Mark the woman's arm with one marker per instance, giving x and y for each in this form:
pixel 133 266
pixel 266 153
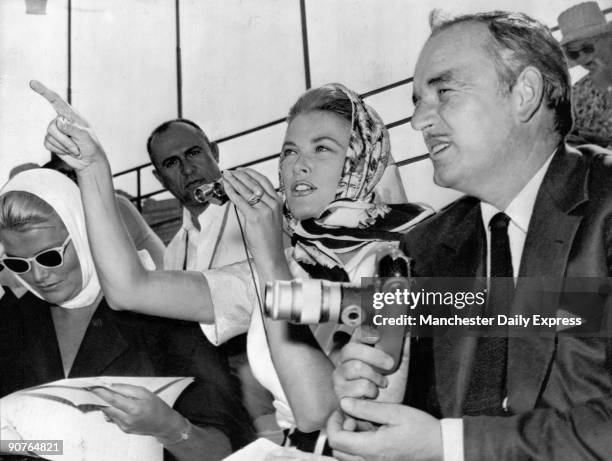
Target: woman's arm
pixel 138 411
pixel 304 370
pixel 141 234
pixel 125 282
pixel 204 444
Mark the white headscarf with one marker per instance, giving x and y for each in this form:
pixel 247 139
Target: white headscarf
pixel 64 197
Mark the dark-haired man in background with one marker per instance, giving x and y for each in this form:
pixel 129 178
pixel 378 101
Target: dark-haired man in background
pixel 184 158
pixel 492 98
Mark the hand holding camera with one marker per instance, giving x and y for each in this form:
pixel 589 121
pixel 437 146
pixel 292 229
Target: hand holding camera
pixel 317 301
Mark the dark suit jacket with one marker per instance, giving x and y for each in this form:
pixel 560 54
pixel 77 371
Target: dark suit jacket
pixel 559 387
pixel 124 344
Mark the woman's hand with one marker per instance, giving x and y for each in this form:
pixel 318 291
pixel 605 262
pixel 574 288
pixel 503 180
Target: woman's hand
pixel 261 207
pixel 69 135
pixel 136 410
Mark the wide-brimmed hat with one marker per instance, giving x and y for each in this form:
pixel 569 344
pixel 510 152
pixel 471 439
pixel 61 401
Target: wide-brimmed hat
pixel 585 20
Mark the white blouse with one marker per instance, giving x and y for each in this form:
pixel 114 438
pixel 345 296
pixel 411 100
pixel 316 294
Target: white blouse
pixel 237 311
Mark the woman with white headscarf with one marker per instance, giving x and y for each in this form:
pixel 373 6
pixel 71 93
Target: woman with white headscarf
pixel 63 328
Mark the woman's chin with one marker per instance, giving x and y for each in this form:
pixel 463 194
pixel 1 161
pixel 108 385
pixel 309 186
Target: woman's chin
pixel 301 213
pixel 57 296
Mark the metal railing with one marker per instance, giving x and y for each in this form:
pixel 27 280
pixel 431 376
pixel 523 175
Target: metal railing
pixel 138 169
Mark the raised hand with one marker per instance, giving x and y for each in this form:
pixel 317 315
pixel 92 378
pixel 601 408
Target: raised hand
pixel 261 207
pixel 69 134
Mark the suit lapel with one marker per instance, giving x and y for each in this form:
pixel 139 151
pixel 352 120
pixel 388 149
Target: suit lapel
pixel 546 252
pixel 462 254
pixel 102 344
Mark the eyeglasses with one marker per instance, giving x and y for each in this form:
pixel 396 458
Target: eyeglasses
pixel 574 54
pixel 53 257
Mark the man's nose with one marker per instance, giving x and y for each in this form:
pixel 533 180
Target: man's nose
pixel 188 167
pixel 424 115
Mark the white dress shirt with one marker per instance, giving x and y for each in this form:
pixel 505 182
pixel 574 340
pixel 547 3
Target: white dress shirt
pixel 217 243
pixel 519 211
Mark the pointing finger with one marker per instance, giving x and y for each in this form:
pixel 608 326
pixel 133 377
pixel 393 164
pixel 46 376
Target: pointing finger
pixel 60 106
pixel 58 136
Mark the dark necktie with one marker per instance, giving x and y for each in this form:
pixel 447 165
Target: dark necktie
pixel 186 250
pixel 488 381
pixel 501 285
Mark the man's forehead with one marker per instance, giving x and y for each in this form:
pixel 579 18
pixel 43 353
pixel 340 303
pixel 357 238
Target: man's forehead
pixel 453 52
pixel 177 138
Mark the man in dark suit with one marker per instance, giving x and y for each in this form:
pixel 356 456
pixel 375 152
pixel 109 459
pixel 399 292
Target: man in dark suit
pixel 492 98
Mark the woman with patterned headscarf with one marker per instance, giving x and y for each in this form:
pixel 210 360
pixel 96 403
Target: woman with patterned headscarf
pixel 335 151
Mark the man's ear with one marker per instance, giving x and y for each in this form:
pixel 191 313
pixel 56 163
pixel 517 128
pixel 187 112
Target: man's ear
pixel 214 147
pixel 529 93
pixel 159 177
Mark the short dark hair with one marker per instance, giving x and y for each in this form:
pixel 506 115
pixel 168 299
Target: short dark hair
pixel 57 164
pixel 520 41
pixel 166 125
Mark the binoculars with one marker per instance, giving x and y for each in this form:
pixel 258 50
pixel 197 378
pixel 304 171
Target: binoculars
pixel 210 193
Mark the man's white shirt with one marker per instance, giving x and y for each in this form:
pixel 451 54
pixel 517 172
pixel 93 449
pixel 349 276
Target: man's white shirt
pixel 217 243
pixel 519 211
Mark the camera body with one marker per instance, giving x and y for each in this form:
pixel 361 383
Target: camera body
pixel 317 301
pixel 211 193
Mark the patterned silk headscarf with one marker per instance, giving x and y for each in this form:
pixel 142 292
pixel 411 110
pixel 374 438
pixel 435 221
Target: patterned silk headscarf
pixel 353 219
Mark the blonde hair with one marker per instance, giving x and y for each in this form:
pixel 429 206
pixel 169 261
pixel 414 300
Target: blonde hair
pixel 20 211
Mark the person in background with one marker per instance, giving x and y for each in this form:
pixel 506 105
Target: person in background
pixel 7 279
pixel 492 100
pixel 142 235
pixel 587 41
pixel 10 283
pixel 184 158
pixel 22 167
pixel 63 328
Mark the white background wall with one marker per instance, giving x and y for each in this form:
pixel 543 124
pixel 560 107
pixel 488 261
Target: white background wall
pixel 242 67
